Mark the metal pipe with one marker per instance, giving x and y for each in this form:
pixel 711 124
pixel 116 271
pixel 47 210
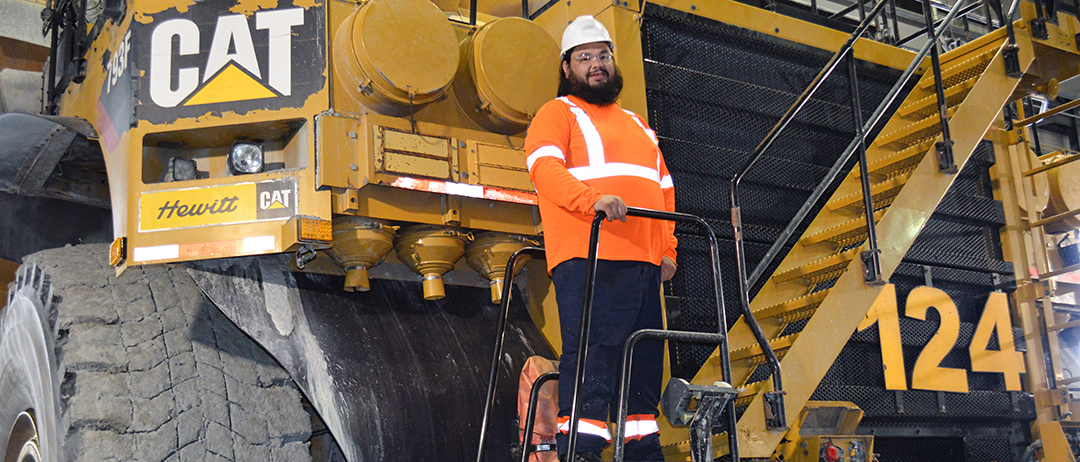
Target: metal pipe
pixel 530 415
pixel 472 12
pixel 525 9
pixel 868 127
pixel 1009 22
pixel 939 85
pixel 619 439
pixel 844 11
pixel 586 315
pixel 500 337
pixel 963 13
pixel 864 171
pixel 583 333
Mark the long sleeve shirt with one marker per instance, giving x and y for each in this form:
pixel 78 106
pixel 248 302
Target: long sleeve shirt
pixel 577 153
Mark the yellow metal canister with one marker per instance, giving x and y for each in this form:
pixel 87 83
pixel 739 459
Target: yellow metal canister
pixel 1064 196
pixel 395 56
pixel 490 252
pixel 431 251
pixel 509 68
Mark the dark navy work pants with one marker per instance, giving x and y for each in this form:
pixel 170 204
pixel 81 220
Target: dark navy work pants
pixel 626 299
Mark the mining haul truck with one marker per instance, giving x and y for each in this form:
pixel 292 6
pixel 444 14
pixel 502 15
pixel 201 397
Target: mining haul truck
pixel 280 230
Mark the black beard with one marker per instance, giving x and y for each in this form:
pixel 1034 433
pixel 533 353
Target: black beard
pixel 600 95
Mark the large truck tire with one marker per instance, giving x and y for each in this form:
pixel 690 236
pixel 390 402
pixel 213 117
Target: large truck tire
pixel 95 367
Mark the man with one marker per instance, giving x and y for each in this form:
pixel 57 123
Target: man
pixel 588 155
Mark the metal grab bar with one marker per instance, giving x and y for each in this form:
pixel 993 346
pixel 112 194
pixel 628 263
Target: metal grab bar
pixel 530 415
pixel 868 128
pixel 500 336
pixel 624 377
pixel 586 316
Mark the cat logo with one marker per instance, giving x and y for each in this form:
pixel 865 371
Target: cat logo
pixel 276 199
pixel 231 70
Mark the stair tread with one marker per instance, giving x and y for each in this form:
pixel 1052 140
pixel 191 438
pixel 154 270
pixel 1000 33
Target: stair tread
pixel 887 186
pixel 929 123
pixel 844 231
pixel 965 69
pixel 805 302
pixel 825 264
pixel 954 95
pixel 900 159
pixel 777 344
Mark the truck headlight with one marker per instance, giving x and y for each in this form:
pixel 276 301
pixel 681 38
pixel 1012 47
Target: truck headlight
pixel 245 158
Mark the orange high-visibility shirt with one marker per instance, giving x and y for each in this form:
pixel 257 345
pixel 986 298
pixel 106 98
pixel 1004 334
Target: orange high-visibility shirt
pixel 578 152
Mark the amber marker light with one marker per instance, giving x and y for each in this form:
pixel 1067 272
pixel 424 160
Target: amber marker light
pixel 118 251
pixel 314 229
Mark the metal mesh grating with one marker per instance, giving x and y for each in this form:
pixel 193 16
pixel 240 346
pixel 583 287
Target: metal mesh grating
pixel 714 91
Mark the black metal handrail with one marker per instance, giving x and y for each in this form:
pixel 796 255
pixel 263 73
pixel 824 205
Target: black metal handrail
pixel 500 336
pixel 627 365
pixel 586 317
pixel 759 151
pixel 834 172
pixel 530 414
pixel 964 12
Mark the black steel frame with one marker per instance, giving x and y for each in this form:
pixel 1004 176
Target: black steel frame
pixel 586 318
pixel 500 336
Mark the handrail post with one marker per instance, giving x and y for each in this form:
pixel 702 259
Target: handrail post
pixel 943 147
pixel 870 258
pixel 530 414
pixel 895 24
pixel 583 333
pixel 500 336
pixel 721 335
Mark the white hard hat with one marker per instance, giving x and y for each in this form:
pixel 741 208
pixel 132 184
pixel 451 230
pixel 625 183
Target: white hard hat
pixel 584 29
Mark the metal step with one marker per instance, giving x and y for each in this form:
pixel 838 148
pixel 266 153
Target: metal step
pixel 820 270
pixel 843 235
pixel 928 106
pixel 882 195
pixel 901 161
pixel 793 310
pixel 928 126
pixel 753 356
pixel 966 69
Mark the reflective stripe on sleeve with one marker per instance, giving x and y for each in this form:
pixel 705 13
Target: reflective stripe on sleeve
pixel 544 151
pixel 613 169
pixel 640 425
pixel 666 182
pixel 588 427
pixel 593 142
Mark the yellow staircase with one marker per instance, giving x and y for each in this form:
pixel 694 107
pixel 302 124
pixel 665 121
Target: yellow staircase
pixel 906 186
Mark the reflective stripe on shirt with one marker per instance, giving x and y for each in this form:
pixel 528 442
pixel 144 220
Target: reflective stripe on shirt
pixel 544 151
pixel 598 166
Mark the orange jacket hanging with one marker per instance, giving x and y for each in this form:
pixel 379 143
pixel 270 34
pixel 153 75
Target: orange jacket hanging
pixel 579 152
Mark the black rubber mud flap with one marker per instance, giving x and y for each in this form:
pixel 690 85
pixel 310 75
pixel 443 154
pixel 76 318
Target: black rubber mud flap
pixel 394 377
